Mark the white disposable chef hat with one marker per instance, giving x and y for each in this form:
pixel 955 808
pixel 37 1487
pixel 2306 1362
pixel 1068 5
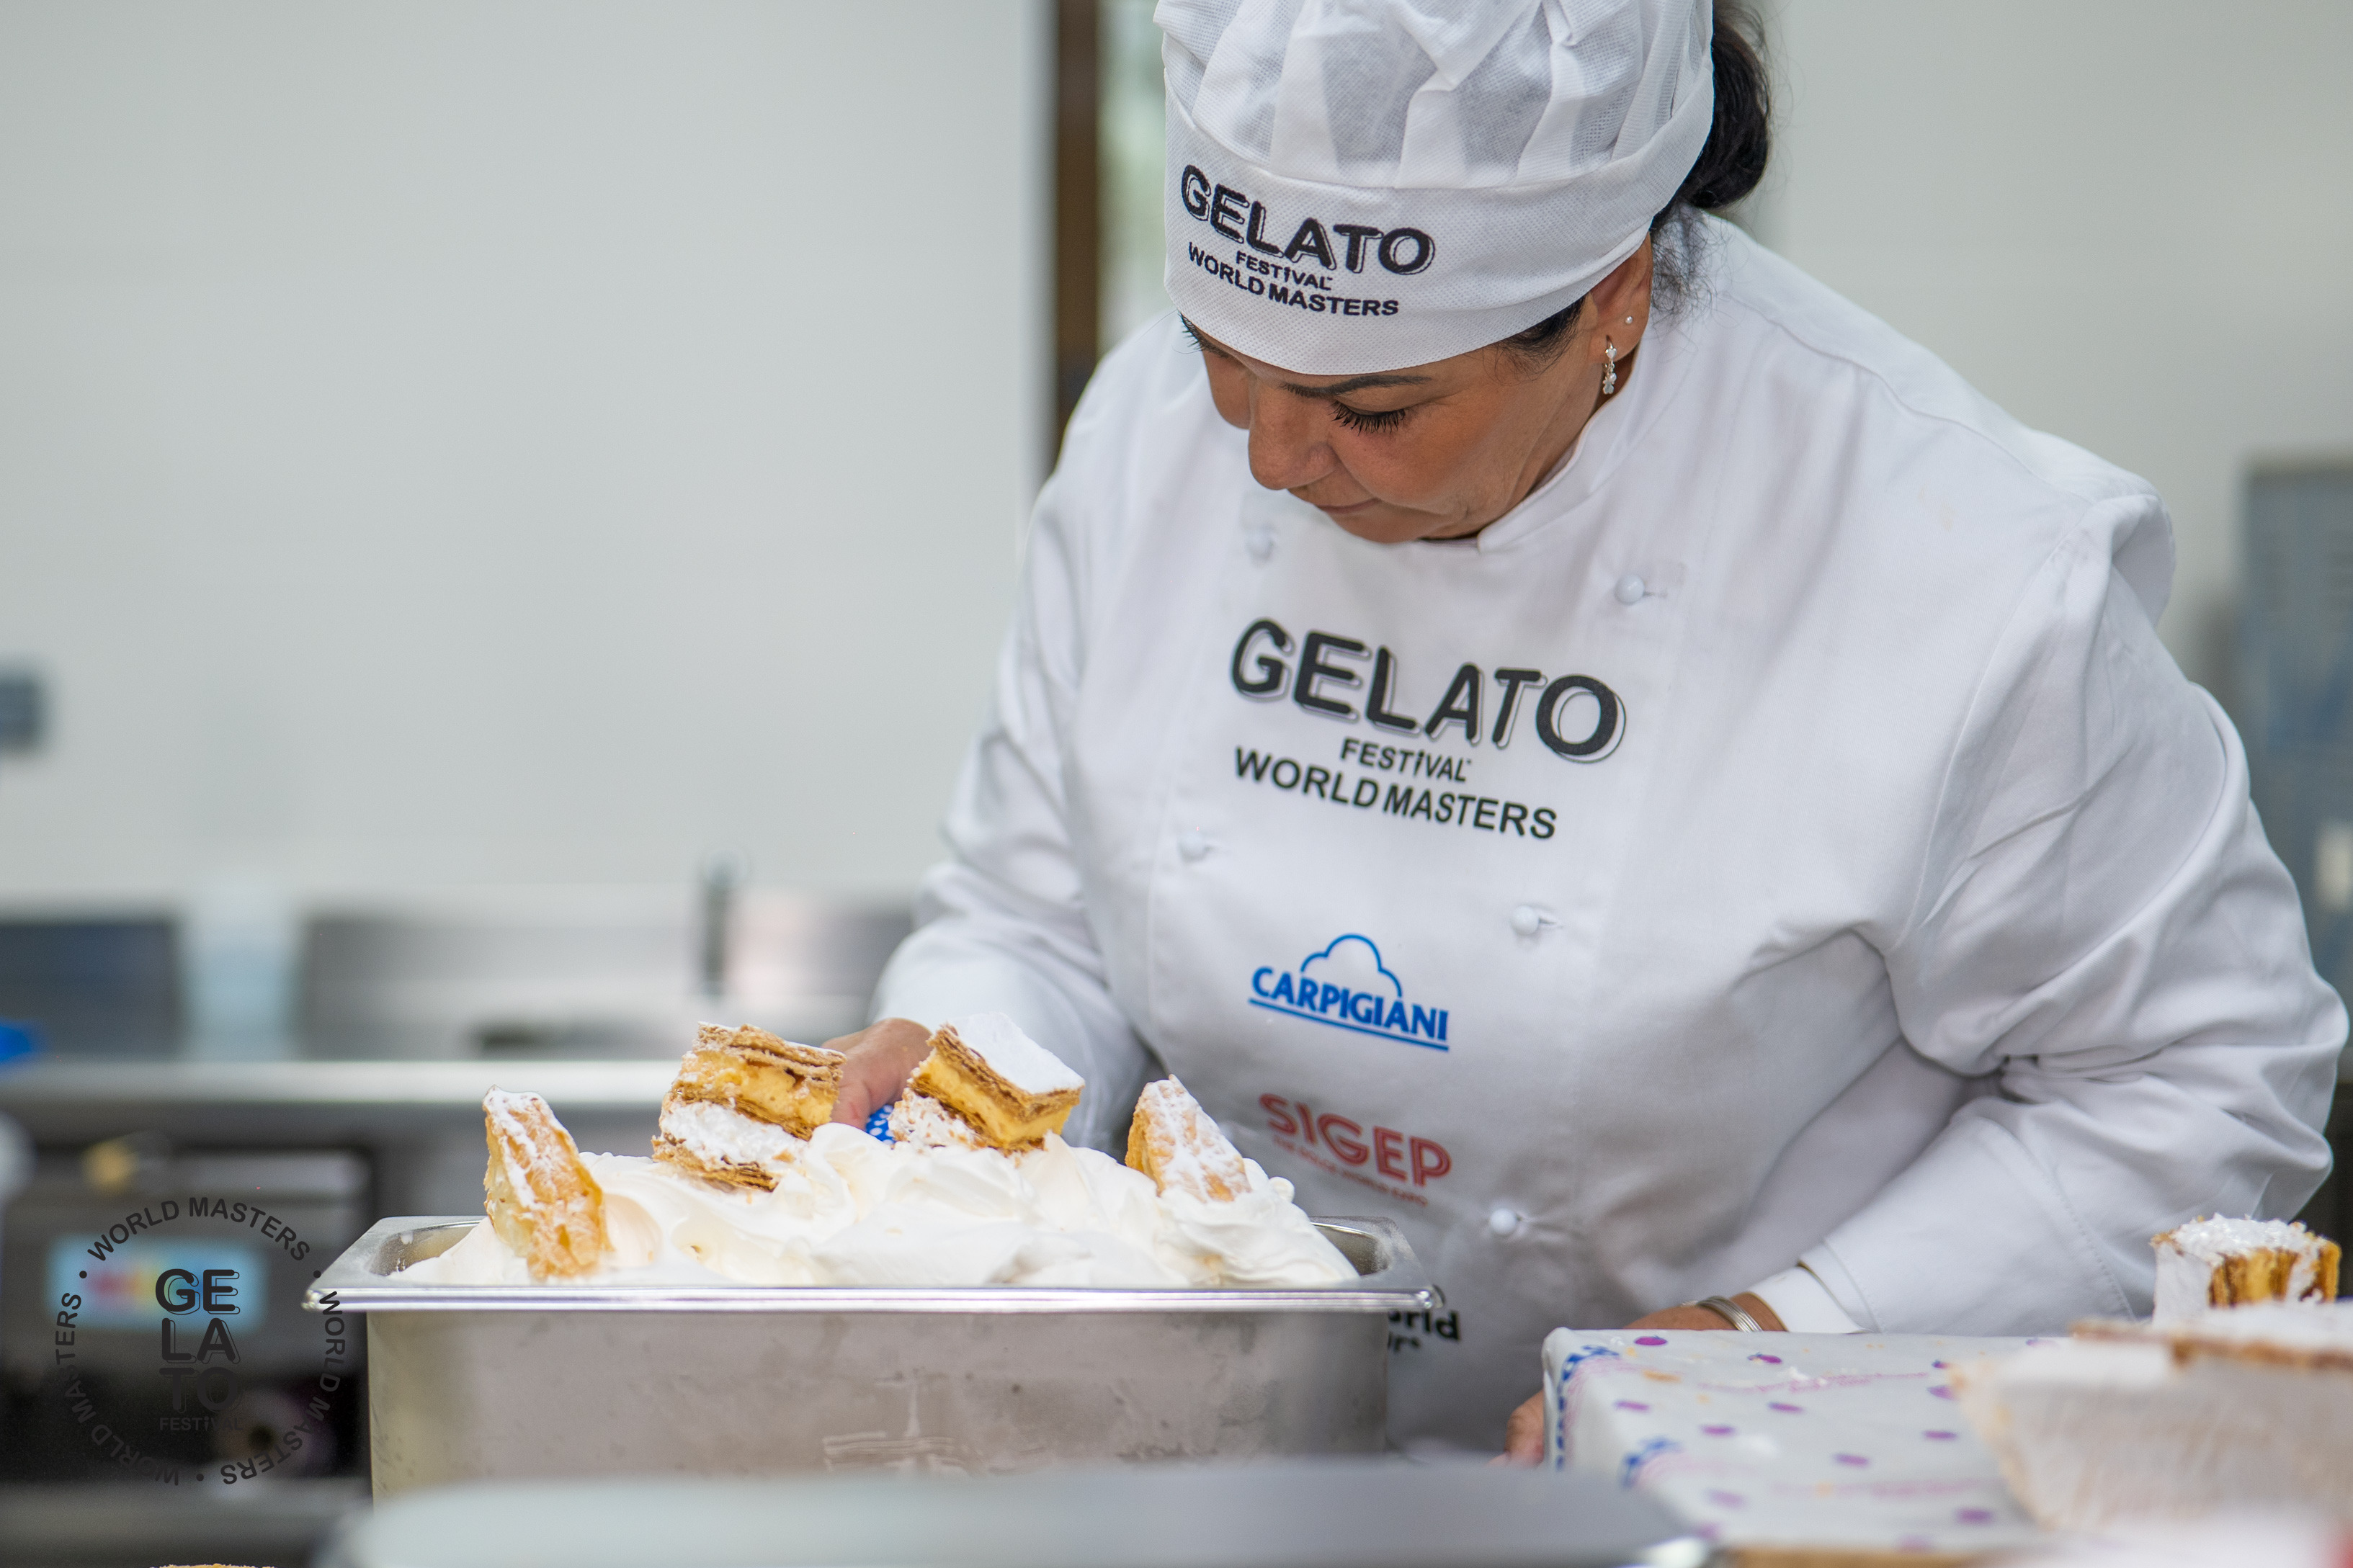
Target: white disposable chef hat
pixel 1359 184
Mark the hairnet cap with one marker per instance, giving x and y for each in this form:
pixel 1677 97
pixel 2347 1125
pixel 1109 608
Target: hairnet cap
pixel 1361 184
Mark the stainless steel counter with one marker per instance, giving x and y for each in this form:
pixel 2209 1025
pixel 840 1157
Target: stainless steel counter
pixel 1360 1513
pixel 309 1103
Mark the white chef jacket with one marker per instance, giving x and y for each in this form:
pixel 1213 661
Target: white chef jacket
pixel 1780 837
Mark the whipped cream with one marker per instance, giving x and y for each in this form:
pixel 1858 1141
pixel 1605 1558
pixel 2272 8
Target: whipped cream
pixel 850 1210
pixel 715 1133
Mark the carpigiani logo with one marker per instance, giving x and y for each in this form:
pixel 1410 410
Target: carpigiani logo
pixel 1346 986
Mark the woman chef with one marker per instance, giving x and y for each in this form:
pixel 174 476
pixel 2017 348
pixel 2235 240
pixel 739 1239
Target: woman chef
pixel 1563 732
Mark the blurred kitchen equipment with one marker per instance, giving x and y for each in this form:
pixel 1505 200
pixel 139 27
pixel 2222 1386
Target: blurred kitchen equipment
pixel 1333 1513
pixel 508 1382
pixel 110 1227
pixel 724 875
pixel 412 1130
pixel 2296 682
pixel 242 944
pixel 2295 714
pixel 94 985
pixel 23 711
pixel 589 976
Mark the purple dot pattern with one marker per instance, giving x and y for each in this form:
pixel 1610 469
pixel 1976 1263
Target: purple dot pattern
pixel 1654 1412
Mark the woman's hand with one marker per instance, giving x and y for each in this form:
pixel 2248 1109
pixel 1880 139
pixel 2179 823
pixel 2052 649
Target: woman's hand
pixel 883 1058
pixel 1523 1435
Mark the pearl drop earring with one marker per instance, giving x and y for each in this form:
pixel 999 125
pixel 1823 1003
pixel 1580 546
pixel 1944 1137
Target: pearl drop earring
pixel 1609 375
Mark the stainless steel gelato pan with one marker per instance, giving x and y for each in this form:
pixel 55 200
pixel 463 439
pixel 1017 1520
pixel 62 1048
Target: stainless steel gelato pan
pixel 469 1383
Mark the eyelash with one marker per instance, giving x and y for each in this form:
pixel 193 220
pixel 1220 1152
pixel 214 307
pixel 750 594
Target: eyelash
pixel 1354 418
pixel 1357 419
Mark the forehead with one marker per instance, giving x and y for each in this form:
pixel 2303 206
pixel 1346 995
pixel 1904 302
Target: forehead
pixel 1436 372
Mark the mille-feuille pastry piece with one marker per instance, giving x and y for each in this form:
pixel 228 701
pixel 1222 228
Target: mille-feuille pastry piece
pixel 2244 1409
pixel 921 1122
pixel 742 1103
pixel 2222 1262
pixel 1177 1143
pixel 540 1198
pixel 1007 1087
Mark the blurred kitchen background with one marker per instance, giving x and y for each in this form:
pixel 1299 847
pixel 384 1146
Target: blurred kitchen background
pixel 507 509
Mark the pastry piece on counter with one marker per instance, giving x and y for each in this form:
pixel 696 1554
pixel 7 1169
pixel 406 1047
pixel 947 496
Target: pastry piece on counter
pixel 2235 1409
pixel 2224 1262
pixel 540 1198
pixel 1177 1143
pixel 1009 1089
pixel 742 1103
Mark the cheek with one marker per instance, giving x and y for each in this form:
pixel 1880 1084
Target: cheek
pixel 1432 461
pixel 1230 392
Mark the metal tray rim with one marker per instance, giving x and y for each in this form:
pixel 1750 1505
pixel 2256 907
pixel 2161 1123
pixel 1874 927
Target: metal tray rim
pixel 353 1285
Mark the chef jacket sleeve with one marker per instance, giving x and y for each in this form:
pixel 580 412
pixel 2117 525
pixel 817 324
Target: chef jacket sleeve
pixel 1001 925
pixel 2099 922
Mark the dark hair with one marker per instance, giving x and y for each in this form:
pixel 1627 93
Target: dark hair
pixel 1728 168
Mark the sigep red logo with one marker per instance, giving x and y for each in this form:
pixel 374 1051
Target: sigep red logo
pixel 1400 1156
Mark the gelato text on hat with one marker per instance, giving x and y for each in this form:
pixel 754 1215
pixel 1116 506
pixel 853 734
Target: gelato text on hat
pixel 1358 185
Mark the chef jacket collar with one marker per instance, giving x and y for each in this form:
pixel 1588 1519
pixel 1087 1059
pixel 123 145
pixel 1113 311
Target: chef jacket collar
pixel 1610 437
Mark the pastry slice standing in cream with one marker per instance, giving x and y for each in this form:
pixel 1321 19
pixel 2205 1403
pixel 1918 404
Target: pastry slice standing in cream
pixel 1173 1140
pixel 540 1198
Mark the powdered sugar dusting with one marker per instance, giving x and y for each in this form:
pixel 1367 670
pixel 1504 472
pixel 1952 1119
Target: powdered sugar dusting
pixel 1013 1056
pixel 1189 1151
pixel 518 1118
pixel 2212 1240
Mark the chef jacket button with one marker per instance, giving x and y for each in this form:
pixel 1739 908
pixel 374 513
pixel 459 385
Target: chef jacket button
pixel 1504 1222
pixel 1527 921
pixel 1629 589
pixel 1261 542
pixel 1192 843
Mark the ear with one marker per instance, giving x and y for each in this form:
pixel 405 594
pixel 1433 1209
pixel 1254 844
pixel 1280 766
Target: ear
pixel 1620 306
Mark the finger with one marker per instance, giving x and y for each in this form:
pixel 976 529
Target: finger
pixel 881 1057
pixel 1523 1435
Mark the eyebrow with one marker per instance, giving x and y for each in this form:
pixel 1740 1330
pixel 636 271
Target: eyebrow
pixel 1337 389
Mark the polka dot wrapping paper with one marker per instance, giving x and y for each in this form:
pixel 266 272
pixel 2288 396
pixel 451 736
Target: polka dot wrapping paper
pixel 1825 1440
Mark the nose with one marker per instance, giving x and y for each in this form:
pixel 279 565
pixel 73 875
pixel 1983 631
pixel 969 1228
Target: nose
pixel 1287 444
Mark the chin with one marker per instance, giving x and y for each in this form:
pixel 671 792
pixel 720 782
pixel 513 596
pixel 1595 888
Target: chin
pixel 1387 524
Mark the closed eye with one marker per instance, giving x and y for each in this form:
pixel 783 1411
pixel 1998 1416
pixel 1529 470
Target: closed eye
pixel 1359 419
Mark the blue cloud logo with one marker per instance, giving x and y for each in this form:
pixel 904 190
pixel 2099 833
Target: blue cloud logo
pixel 1348 987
